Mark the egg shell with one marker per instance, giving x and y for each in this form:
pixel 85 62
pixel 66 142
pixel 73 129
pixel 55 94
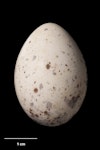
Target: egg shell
pixel 50 76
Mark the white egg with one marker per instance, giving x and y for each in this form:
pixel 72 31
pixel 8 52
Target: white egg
pixel 50 76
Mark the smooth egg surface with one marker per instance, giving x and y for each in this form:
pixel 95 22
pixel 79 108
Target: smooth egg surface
pixel 50 76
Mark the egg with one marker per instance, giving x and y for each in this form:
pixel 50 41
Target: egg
pixel 50 76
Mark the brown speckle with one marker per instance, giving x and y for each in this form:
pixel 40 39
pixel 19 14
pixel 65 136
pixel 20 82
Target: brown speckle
pixel 77 86
pixel 41 86
pixel 36 115
pixel 27 76
pixel 71 58
pixel 34 82
pixel 21 86
pixel 59 34
pixel 31 112
pixel 75 76
pixel 24 99
pixel 46 113
pixel 63 52
pixel 57 56
pixel 66 65
pixel 54 88
pixel 48 83
pixel 29 41
pixel 65 89
pixel 33 73
pixel 31 104
pixel 49 105
pixel 48 66
pixel 73 101
pixel 69 45
pixel 65 99
pixel 85 81
pixel 45 29
pixel 34 57
pixel 59 118
pixel 35 90
pixel 54 73
pixel 52 123
pixel 27 59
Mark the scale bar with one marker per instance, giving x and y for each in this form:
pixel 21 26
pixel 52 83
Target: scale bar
pixel 20 138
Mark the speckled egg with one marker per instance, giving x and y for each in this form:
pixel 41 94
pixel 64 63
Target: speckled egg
pixel 50 76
